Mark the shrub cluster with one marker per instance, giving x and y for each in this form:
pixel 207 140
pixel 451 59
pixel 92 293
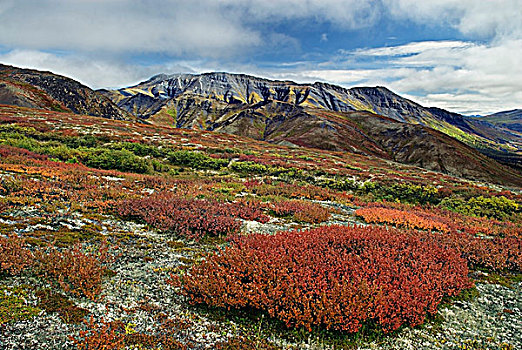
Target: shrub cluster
pixel 196 160
pixel 499 208
pixel 73 270
pixel 337 277
pixel 193 218
pixel 402 218
pixel 301 211
pixel 487 246
pixel 14 256
pixel 498 253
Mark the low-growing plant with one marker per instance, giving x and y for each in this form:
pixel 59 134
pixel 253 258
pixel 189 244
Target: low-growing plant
pixel 402 218
pixel 52 302
pixel 98 335
pixel 301 211
pixel 74 270
pixel 499 208
pixel 13 305
pixel 196 160
pixel 14 256
pixel 336 277
pixel 192 218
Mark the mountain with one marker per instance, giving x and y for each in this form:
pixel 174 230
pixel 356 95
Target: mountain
pixel 368 121
pixel 511 120
pixel 373 121
pixel 45 90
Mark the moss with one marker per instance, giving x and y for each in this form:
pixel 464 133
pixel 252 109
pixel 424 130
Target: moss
pixel 13 305
pixel 504 279
pixel 175 244
pixel 58 303
pixel 62 238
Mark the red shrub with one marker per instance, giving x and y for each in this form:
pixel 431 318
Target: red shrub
pixel 99 336
pixel 75 271
pixel 493 253
pixel 303 211
pixel 14 257
pixel 193 218
pixel 337 277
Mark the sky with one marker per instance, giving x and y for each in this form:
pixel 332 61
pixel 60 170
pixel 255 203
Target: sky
pixel 461 55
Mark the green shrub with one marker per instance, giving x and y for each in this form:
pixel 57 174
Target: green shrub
pixel 493 207
pixel 196 160
pixel 249 167
pixel 123 160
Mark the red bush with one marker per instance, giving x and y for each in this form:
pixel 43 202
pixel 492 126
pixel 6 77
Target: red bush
pixel 193 218
pixel 337 277
pixel 75 271
pixel 99 336
pixel 301 211
pixel 14 257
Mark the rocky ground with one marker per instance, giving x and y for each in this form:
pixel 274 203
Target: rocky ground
pixel 136 295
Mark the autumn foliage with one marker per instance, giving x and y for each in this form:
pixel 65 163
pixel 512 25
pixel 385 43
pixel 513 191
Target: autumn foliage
pixel 301 211
pixel 74 270
pixel 14 256
pixel 101 335
pixel 337 277
pixel 192 218
pixel 401 218
pixel 482 242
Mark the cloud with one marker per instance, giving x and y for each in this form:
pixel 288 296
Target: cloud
pixel 463 76
pixel 204 28
pixel 413 48
pixel 94 72
pixel 346 14
pixel 481 19
pixel 196 27
pixel 114 43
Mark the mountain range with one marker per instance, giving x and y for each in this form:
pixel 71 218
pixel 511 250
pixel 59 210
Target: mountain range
pixel 365 120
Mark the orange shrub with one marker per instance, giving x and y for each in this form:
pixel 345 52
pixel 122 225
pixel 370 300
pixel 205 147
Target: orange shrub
pixel 337 277
pixel 98 336
pixel 14 256
pixel 402 218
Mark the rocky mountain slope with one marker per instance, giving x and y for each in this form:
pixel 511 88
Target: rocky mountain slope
pixel 511 120
pixel 372 121
pixel 45 90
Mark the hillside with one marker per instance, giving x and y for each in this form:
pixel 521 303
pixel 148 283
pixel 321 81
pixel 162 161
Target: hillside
pixel 123 235
pixel 324 116
pixel 45 90
pixel 511 120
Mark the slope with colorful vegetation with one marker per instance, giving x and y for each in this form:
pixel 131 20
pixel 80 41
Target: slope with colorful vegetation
pixel 120 235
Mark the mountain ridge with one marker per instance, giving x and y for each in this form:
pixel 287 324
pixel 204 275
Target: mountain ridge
pixel 46 90
pixel 363 120
pixel 198 100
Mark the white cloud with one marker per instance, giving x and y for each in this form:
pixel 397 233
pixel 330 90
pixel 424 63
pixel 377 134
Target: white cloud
pixel 486 19
pixel 465 77
pixel 205 28
pixel 96 37
pixel 197 27
pixel 413 48
pixel 93 72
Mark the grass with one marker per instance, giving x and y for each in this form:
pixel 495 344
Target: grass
pixel 14 306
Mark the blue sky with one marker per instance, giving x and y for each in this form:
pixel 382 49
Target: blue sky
pixel 464 55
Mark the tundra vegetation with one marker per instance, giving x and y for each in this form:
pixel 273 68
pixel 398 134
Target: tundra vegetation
pixel 249 245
